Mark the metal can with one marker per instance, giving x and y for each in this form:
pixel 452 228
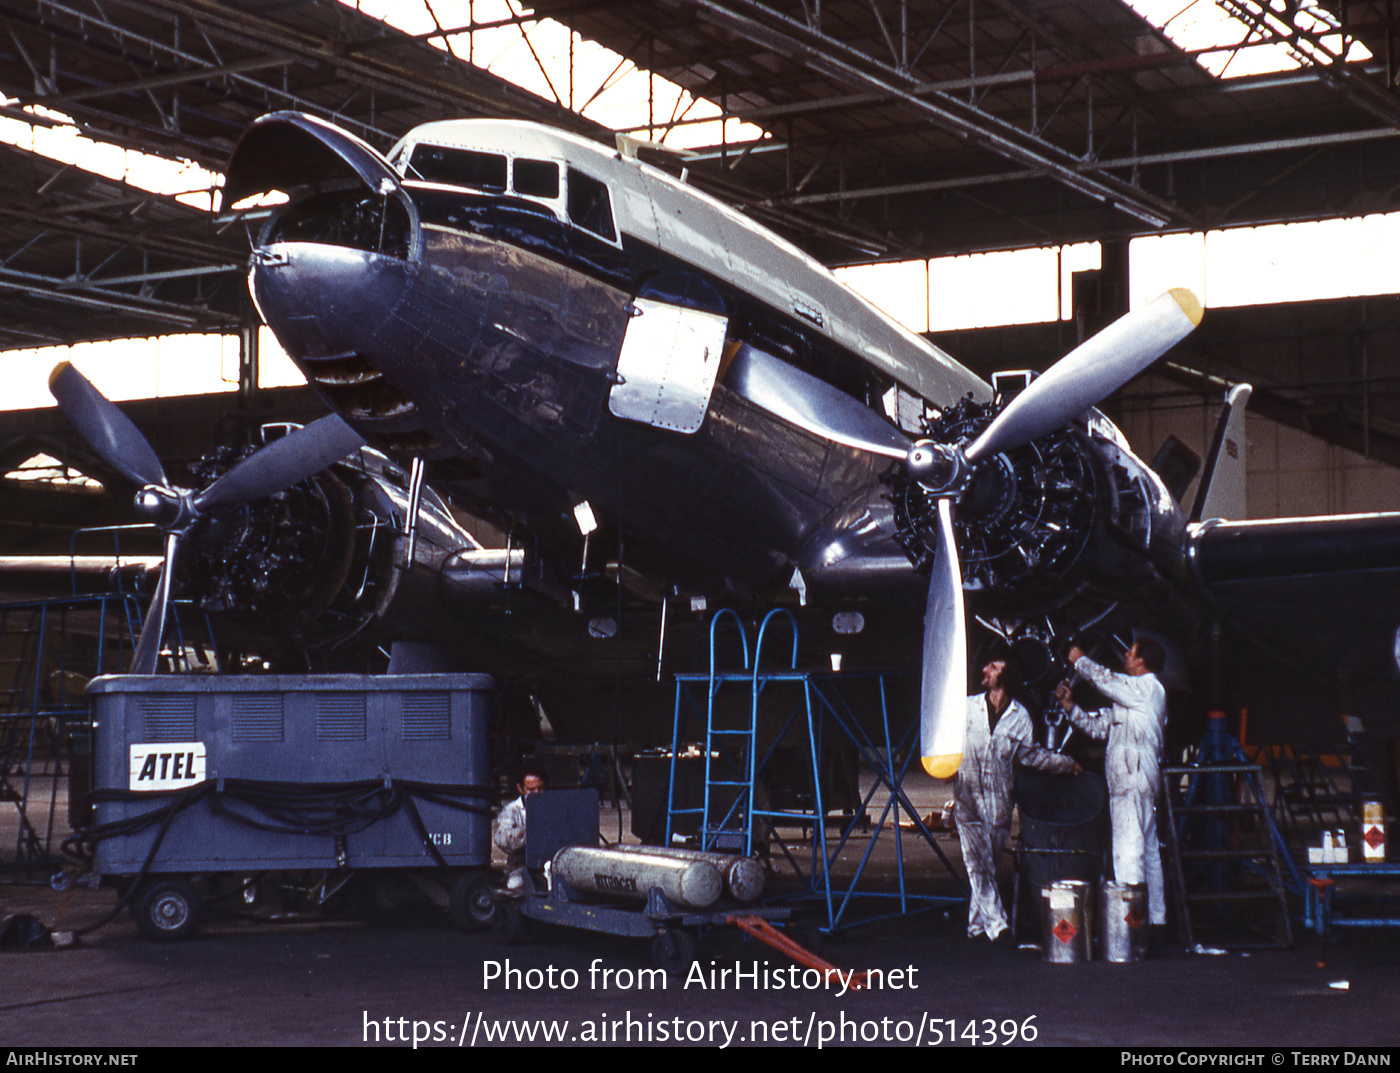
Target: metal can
pixel 1123 921
pixel 1066 919
pixel 1373 832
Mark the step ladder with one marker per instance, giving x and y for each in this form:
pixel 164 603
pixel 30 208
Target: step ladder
pixel 732 813
pixel 49 649
pixel 1223 850
pixel 749 800
pixel 1322 787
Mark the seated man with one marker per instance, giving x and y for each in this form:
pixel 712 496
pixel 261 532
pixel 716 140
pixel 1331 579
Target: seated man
pixel 508 832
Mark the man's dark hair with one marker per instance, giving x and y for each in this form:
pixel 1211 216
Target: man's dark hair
pixel 1152 654
pixel 531 769
pixel 1013 677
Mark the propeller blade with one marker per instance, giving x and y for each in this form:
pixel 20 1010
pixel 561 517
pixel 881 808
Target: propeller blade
pixel 147 653
pixel 1091 372
pixel 812 404
pixel 109 431
pixel 943 696
pixel 282 463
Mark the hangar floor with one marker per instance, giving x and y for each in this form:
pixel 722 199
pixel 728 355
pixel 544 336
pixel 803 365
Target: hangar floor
pixel 335 982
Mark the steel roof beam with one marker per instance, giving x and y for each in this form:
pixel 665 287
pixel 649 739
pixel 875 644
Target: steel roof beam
pixel 62 290
pixel 177 78
pixel 855 69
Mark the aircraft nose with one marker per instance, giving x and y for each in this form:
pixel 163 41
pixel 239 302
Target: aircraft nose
pixel 323 301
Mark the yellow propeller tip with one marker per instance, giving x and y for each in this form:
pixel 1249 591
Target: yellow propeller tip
pixel 58 370
pixel 1190 304
pixel 942 767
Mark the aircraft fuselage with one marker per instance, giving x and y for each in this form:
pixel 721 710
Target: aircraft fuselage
pixel 547 321
pixel 490 343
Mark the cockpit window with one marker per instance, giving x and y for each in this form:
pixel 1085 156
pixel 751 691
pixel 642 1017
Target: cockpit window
pixel 536 178
pixel 589 206
pixel 458 167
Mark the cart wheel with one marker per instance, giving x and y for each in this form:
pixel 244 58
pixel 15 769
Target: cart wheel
pixel 167 910
pixel 473 906
pixel 673 951
pixel 510 923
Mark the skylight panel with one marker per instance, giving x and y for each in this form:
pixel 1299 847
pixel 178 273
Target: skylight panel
pixel 1229 46
pixel 57 137
pixel 548 59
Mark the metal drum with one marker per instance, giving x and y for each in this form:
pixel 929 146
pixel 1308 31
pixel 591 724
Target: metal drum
pixel 1067 921
pixel 1062 826
pixel 1123 919
pixel 693 884
pixel 743 876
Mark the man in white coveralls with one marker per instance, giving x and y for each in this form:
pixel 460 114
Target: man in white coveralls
pixel 508 832
pixel 1135 726
pixel 999 736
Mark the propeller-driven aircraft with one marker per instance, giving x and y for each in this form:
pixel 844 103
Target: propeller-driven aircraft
pixel 572 340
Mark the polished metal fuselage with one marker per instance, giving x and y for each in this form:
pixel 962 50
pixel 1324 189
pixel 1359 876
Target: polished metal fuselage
pixel 492 349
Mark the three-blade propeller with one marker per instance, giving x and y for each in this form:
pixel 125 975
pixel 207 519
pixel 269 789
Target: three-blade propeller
pixel 1077 382
pixel 278 465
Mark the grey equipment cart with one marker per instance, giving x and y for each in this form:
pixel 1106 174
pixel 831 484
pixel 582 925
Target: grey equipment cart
pixel 202 779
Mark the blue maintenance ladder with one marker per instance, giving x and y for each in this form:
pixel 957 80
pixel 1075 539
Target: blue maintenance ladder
pixel 741 737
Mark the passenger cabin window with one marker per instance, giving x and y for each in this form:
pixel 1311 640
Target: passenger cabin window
pixel 535 178
pixel 589 207
pixel 459 167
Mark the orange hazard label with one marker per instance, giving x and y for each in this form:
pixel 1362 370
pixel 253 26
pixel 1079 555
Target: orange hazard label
pixel 1064 931
pixel 1133 917
pixel 1374 837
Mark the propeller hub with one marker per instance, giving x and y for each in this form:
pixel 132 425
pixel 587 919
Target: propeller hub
pixel 939 467
pixel 166 507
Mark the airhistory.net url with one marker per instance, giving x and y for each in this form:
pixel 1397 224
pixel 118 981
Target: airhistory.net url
pixel 479 1030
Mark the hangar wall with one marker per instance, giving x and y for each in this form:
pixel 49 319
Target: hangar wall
pixel 1289 472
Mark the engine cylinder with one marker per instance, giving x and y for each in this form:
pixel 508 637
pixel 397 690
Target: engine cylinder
pixel 1023 519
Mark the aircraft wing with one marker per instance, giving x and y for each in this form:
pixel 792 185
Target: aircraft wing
pixel 1310 609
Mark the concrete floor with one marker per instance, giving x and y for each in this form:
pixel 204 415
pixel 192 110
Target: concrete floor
pixel 349 982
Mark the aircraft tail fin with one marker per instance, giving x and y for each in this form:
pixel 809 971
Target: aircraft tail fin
pixel 1221 493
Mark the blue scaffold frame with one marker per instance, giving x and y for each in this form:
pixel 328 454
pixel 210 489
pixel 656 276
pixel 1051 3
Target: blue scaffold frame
pixel 727 820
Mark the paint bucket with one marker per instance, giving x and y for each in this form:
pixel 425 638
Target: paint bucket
pixel 1123 921
pixel 1067 921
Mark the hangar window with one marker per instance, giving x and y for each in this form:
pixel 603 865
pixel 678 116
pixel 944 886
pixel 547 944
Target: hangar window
pixel 459 167
pixel 46 470
pixel 589 206
pixel 535 178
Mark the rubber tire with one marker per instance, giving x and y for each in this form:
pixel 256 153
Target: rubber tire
pixel 511 925
pixel 677 963
pixel 473 904
pixel 167 910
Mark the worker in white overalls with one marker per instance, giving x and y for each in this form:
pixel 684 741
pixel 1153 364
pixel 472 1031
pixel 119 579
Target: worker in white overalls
pixel 508 832
pixel 999 736
pixel 1135 728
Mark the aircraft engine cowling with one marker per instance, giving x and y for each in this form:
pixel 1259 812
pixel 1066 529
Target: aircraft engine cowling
pixel 1025 519
pixel 327 560
pixel 288 555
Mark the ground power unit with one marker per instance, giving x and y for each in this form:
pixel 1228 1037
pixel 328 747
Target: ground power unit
pixel 203 776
